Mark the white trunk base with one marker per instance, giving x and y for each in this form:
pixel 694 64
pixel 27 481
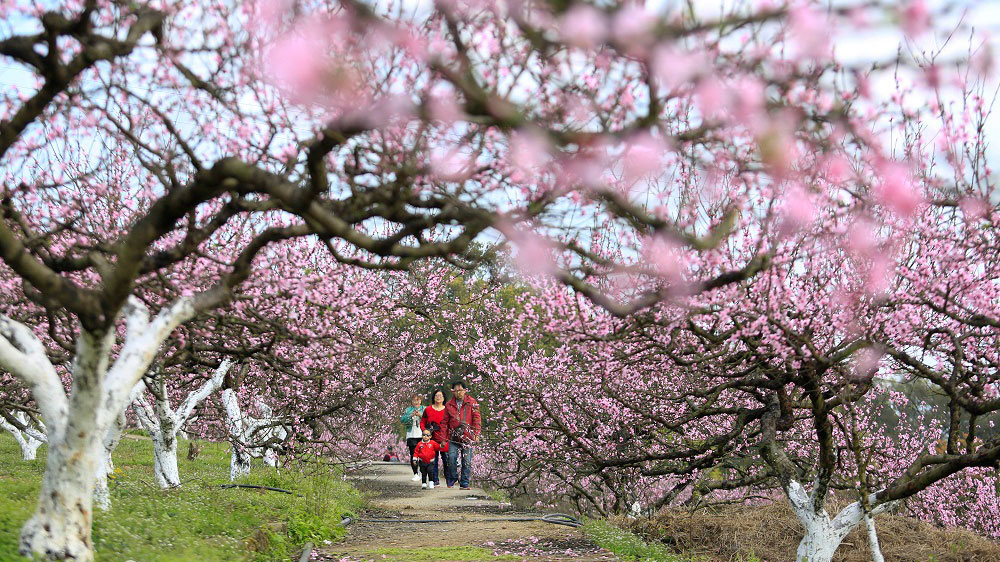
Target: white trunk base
pixel 271 458
pixel 60 529
pixel 239 463
pixel 25 439
pixel 876 550
pixel 818 545
pixel 165 461
pixel 824 535
pixel 102 493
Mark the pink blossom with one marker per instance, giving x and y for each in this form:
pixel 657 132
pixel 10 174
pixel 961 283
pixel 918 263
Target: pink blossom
pixel 879 274
pixel 444 107
pixel 667 258
pixel 298 62
pixel 529 150
pixel 866 363
pixel 862 239
pixel 710 95
pixel 643 155
pixel 675 67
pixel 450 164
pixel 974 208
pixel 632 27
pixel 811 31
pixel 534 253
pixel 583 26
pixel 798 209
pixel 916 17
pixel 837 169
pixel 897 189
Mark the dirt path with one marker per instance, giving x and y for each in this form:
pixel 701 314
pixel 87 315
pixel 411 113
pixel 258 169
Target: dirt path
pixel 394 496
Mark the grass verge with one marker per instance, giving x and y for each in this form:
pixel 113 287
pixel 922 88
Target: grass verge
pixel 627 545
pixel 199 520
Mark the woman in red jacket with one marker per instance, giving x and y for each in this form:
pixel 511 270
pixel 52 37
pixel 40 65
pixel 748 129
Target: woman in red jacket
pixel 426 452
pixel 433 420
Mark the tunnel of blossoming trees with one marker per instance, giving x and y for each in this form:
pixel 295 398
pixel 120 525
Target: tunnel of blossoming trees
pixel 682 253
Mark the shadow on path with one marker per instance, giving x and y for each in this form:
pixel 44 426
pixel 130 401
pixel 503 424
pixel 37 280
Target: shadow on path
pixel 392 495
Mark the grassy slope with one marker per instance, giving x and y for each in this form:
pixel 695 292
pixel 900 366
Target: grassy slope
pixel 199 521
pixel 772 532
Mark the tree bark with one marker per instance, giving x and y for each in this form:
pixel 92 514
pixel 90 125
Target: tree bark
pixel 78 425
pixel 163 423
pixel 876 550
pixel 165 460
pixel 28 440
pixel 242 427
pixel 823 535
pixel 61 526
pixel 239 462
pixel 102 494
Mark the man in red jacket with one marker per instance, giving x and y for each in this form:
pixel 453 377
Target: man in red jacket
pixel 463 425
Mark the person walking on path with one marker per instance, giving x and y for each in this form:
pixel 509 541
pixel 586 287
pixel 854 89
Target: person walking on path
pixel 463 425
pixel 411 420
pixel 433 421
pixel 425 452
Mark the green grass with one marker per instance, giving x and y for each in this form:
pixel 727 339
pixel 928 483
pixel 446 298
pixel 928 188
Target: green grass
pixel 434 553
pixel 198 521
pixel 497 495
pixel 626 545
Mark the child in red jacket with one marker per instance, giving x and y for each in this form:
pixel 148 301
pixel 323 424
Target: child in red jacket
pixel 424 455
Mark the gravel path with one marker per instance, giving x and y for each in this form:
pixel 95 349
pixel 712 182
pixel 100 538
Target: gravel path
pixel 394 496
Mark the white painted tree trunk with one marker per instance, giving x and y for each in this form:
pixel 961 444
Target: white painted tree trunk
pixel 102 493
pixel 239 462
pixel 876 550
pixel 165 460
pixel 243 428
pixel 61 526
pixel 823 535
pixel 163 423
pixel 29 440
pixel 271 457
pixel 77 425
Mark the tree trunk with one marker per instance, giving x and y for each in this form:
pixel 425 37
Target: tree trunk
pixel 876 550
pixel 819 543
pixel 29 449
pixel 822 535
pixel 102 494
pixel 25 439
pixel 61 526
pixel 239 463
pixel 165 460
pixel 194 449
pixel 77 425
pixel 163 423
pixel 270 457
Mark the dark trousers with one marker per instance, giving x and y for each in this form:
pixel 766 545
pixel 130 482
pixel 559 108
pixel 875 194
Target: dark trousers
pixel 411 444
pixel 424 468
pixel 433 472
pixel 452 474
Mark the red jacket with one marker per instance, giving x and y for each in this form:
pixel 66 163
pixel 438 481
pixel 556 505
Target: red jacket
pixel 425 450
pixel 433 416
pixel 468 415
